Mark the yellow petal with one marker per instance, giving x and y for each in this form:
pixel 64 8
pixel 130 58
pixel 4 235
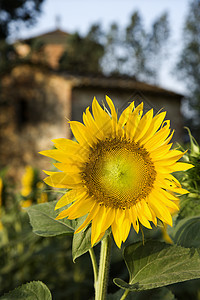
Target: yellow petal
pixel 124 117
pixel 125 229
pixel 68 167
pixel 100 237
pixel 134 218
pixel 113 113
pixel 145 209
pixel 160 152
pixel 92 125
pixel 143 125
pixel 101 118
pixel 81 134
pixel 90 217
pixel 69 146
pixel 170 195
pixel 180 166
pixel 161 196
pixel 172 155
pixel 62 156
pixel 154 219
pixel 80 207
pixel 116 235
pixel 97 225
pixel 62 215
pixel 69 197
pixel 108 218
pixel 154 126
pixel 120 215
pixel 161 211
pixel 165 235
pixel 63 180
pixel 158 139
pixel 133 121
pixel 143 220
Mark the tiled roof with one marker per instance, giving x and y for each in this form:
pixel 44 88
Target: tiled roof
pixel 52 37
pixel 121 82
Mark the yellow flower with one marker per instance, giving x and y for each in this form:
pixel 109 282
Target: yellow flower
pixel 118 171
pixel 26 203
pixel 27 181
pixel 43 198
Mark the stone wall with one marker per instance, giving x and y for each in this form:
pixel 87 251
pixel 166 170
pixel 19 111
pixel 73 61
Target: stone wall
pixel 35 106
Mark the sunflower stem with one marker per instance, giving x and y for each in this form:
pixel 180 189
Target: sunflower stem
pixel 94 265
pixel 125 294
pixel 104 263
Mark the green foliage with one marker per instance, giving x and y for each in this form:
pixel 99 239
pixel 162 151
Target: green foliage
pixel 83 55
pixel 14 12
pixel 35 290
pixel 187 232
pixel 81 241
pixel 189 61
pixel 190 180
pixel 131 51
pixel 151 265
pixel 135 50
pixel 157 264
pixel 25 256
pixel 42 218
pixel 154 294
pixel 8 56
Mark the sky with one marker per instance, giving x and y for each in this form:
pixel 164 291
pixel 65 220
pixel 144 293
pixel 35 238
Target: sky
pixel 78 15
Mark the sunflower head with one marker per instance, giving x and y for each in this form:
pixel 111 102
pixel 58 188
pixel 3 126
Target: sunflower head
pixel 118 171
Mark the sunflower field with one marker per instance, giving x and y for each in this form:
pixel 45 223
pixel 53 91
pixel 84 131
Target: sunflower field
pixel 142 227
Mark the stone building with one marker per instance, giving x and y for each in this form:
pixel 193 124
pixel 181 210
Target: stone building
pixel 36 102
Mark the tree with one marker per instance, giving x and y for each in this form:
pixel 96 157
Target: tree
pixel 15 12
pixel 114 57
pixel 157 43
pixel 8 56
pixel 83 54
pixel 145 49
pixel 135 50
pixel 188 65
pixel 136 39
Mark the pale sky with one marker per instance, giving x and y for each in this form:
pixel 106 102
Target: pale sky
pixel 78 15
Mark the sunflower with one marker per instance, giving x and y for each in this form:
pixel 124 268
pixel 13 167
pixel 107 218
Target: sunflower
pixel 118 172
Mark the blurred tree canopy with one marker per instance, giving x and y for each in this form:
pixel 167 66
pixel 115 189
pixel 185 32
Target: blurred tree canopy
pixel 135 50
pixel 188 65
pixel 83 54
pixel 14 13
pixel 124 51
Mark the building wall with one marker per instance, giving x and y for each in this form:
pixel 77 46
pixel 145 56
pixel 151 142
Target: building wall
pixel 35 106
pixel 83 96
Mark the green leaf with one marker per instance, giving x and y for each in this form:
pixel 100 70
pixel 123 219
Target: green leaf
pixel 82 240
pixel 157 264
pixel 35 290
pixel 42 218
pixel 154 294
pixel 187 232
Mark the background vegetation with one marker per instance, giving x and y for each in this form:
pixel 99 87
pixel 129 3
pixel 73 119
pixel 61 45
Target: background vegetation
pixel 132 51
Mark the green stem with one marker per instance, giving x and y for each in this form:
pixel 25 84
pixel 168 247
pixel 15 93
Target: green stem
pixel 125 294
pixel 94 265
pixel 104 263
